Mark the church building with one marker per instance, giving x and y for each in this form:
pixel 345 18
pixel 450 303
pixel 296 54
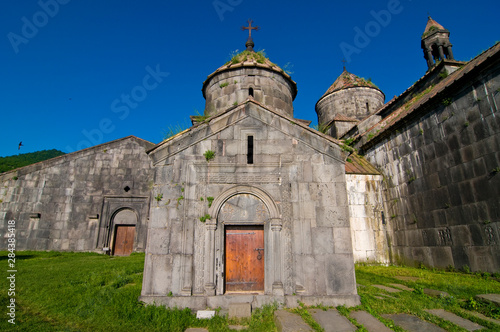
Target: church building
pixel 250 204
pixel 253 202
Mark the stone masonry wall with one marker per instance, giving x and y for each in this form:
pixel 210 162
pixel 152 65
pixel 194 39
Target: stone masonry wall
pixel 290 172
pixel 351 102
pixel 442 175
pixel 58 203
pixel 368 224
pixel 269 88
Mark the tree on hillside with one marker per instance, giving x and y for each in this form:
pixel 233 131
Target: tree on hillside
pixel 24 159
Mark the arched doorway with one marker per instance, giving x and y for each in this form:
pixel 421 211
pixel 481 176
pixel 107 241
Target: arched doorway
pixel 243 218
pixel 124 223
pixel 252 210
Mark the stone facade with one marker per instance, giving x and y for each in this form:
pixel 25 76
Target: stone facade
pixel 440 157
pixel 75 201
pixel 369 227
pixel 295 188
pixel 354 102
pixel 251 75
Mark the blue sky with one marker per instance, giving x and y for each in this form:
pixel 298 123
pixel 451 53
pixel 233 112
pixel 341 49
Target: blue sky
pixel 75 73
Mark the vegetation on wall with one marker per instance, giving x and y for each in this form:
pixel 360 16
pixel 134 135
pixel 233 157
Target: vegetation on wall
pixel 209 155
pixel 25 159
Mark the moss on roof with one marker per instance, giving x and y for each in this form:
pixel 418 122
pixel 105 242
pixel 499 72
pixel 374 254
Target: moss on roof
pixel 348 80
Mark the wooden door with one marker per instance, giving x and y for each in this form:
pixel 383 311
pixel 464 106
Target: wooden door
pixel 244 258
pixel 124 240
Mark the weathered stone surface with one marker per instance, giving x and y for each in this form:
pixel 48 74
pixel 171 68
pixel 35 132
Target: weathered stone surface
pixel 288 322
pixel 483 317
pixel 332 321
pixel 205 314
pixel 438 167
pixel 196 329
pixel 288 200
pixel 403 287
pixel 493 298
pixel 240 310
pixel 369 322
pixel 435 293
pixel 74 202
pixel 457 320
pixel 412 323
pixel 387 289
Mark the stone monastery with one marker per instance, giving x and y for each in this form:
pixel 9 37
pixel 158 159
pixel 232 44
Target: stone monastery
pixel 252 204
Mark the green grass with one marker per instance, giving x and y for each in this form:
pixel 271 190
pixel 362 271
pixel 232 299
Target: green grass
pixel 460 286
pixel 91 292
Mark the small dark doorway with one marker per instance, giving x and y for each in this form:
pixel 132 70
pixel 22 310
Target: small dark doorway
pixel 124 240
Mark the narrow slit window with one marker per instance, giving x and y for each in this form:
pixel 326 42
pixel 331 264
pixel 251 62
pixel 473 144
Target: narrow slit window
pixel 367 108
pixel 250 92
pixel 249 149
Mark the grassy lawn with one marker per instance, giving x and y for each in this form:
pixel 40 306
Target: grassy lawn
pixel 92 292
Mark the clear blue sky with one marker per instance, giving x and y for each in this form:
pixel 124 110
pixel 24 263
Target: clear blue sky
pixel 65 68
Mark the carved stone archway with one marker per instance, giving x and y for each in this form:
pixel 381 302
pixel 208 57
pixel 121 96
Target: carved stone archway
pixel 243 205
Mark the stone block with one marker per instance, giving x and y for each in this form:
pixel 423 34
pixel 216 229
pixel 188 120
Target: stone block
pixel 322 240
pixel 342 241
pixel 288 322
pixel 364 318
pixel 457 320
pixel 435 293
pixel 332 321
pixel 240 310
pixel 205 314
pixel 412 323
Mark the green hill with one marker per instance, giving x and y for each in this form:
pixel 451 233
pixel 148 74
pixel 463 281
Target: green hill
pixel 13 162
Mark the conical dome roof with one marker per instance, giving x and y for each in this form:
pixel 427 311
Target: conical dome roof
pixel 431 27
pixel 250 59
pixel 348 80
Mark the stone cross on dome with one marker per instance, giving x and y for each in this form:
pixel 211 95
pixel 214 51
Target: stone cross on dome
pixel 249 44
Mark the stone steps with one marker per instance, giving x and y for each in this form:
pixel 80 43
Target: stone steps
pixel 332 320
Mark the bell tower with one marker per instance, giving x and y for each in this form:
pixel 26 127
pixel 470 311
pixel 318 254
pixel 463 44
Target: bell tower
pixel 436 43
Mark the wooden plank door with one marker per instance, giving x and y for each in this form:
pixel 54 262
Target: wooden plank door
pixel 244 258
pixel 124 240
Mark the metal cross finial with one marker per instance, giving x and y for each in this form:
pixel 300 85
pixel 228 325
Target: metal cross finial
pixel 250 28
pixel 344 61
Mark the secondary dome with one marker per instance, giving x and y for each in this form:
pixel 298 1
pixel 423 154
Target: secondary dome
pixel 350 96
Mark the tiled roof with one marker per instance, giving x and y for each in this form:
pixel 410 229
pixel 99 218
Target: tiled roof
pixel 341 117
pixel 356 164
pixel 432 26
pixel 348 80
pixel 251 59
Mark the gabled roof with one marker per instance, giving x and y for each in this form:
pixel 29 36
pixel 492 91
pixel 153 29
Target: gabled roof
pixel 435 93
pixel 289 126
pixel 77 154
